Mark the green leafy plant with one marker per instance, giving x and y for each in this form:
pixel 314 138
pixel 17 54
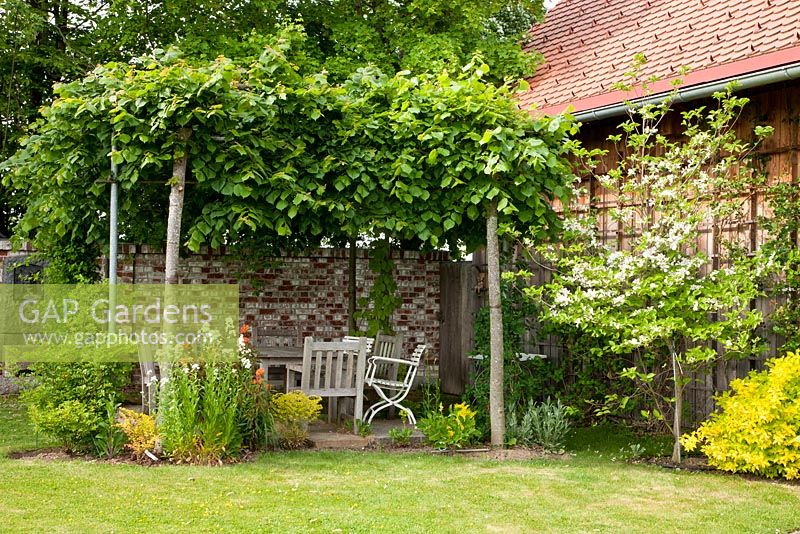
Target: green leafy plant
pixel 522 380
pixel 635 451
pixel 140 431
pixel 219 437
pixel 781 253
pixel 756 427
pixel 364 428
pixel 255 420
pixel 401 437
pixel 72 423
pixel 110 439
pixel 380 305
pixel 78 393
pixel 454 430
pixel 545 424
pixel 198 411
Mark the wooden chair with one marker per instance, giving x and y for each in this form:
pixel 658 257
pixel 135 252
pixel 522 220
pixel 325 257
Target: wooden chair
pixel 335 370
pixel 387 346
pixel 390 388
pixel 356 339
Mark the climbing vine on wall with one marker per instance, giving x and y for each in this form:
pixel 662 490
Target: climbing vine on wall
pixel 378 307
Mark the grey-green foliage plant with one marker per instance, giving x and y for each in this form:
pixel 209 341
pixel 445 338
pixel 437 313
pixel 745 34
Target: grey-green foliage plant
pixel 545 424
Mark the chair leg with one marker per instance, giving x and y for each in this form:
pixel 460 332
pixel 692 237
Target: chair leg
pixel 387 402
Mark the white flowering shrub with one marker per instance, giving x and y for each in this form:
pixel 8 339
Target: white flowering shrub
pixel 659 301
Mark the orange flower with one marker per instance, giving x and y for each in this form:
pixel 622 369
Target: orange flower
pixel 245 329
pixel 260 372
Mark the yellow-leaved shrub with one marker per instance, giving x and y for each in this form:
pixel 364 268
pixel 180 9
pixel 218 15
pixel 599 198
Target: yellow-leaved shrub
pixel 756 428
pixel 140 429
pixel 293 412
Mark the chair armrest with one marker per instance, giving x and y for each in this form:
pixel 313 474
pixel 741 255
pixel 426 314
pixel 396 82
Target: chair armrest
pixel 392 360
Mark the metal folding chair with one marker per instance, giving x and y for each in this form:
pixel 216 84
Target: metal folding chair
pixel 390 388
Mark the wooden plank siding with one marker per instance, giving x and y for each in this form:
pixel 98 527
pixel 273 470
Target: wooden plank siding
pixel 778 106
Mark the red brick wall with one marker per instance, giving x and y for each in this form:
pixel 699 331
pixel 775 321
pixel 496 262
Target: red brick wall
pixel 307 290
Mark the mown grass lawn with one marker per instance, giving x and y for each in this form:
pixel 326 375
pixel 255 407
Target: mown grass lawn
pixel 367 492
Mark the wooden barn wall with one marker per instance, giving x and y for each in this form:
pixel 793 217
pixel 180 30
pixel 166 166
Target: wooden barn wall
pixel 777 106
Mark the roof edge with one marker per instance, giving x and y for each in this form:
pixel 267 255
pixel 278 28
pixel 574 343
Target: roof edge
pixel 720 73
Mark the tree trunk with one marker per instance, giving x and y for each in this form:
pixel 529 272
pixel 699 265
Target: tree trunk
pixel 351 285
pixel 677 418
pixel 496 401
pixel 177 186
pixel 178 183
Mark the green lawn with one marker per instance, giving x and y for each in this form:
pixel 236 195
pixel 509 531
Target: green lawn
pixel 363 492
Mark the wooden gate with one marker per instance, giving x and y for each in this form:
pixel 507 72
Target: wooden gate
pixel 459 303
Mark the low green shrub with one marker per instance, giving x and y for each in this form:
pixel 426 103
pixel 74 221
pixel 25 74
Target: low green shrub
pixel 72 423
pixel 545 424
pixel 756 427
pixel 455 430
pixel 401 436
pixel 69 402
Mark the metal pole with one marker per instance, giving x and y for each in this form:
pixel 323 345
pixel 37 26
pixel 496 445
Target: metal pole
pixel 112 241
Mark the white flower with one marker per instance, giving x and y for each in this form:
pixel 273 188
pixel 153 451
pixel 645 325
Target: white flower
pixel 246 363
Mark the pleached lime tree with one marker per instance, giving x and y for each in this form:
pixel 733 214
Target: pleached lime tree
pixel 449 160
pixel 220 126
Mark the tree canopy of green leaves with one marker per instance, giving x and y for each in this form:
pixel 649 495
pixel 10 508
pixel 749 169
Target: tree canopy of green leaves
pixel 43 42
pixel 285 158
pixel 241 147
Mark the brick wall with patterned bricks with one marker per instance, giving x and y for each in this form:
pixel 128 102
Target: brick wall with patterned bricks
pixel 307 290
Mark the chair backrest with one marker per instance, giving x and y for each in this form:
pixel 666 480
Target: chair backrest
pixel 416 356
pixel 387 346
pixel 276 337
pixel 356 339
pixel 333 368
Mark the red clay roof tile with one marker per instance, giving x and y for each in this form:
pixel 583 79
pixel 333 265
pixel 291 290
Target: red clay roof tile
pixel 589 44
